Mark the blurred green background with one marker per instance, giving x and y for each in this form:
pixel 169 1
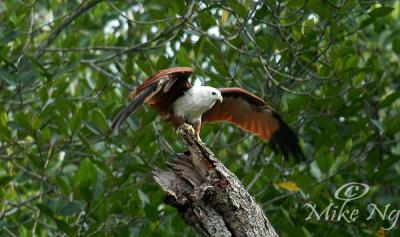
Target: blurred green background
pixel 330 68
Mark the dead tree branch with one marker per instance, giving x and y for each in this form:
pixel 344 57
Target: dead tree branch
pixel 208 196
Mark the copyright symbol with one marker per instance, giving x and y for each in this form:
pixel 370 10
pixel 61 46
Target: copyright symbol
pixel 351 191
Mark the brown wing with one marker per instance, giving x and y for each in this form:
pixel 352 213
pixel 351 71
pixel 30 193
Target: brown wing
pixel 160 91
pixel 252 114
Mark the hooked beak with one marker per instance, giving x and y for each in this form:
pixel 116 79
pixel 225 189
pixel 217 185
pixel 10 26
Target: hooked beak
pixel 220 99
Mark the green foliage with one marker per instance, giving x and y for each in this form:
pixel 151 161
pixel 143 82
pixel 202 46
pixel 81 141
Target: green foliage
pixel 330 68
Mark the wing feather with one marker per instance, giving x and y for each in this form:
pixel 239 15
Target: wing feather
pixel 252 114
pixel 134 105
pixel 165 73
pixel 160 90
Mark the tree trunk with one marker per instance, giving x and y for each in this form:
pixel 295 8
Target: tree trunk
pixel 208 196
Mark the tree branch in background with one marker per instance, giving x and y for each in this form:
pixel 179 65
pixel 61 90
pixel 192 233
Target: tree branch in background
pixel 208 196
pixel 53 35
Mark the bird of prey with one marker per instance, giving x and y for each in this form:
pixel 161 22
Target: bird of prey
pixel 170 93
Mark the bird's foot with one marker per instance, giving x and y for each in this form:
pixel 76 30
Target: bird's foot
pixel 186 127
pixel 189 128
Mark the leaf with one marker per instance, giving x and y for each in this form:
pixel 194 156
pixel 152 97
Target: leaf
pixel 39 66
pixel 378 125
pixel 104 167
pixel 36 121
pixel 380 232
pixel 396 44
pixel 367 22
pixel 45 209
pixel 144 66
pixel 76 120
pixel 5 76
pixel 320 8
pixel 92 128
pixel 381 11
pixel 206 20
pixel 86 193
pixel 349 145
pixel 296 3
pixel 64 227
pixel 5 179
pixel 3 7
pixel 391 124
pixel 87 173
pixel 3 119
pixel 179 6
pixel 71 208
pixel 143 197
pixel 183 58
pixel 100 120
pixel 29 74
pixel 128 67
pixel 238 8
pixel 10 36
pixel 23 122
pixel 151 212
pixel 389 99
pixel 62 185
pixel 163 62
pixel 224 17
pixel 290 186
pixel 219 66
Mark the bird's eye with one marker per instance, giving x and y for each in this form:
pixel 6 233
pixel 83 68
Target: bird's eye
pixel 213 93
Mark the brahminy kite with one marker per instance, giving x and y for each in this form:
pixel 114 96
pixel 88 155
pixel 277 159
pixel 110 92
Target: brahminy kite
pixel 172 95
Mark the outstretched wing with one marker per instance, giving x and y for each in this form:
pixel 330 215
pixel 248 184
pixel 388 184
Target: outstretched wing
pixel 252 114
pixel 160 90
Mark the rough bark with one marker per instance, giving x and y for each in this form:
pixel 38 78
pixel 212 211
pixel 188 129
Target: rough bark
pixel 208 196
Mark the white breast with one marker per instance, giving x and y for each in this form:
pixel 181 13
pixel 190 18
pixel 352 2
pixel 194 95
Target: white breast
pixel 194 103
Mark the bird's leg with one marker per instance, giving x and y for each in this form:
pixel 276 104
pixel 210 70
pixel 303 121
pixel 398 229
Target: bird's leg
pixel 197 127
